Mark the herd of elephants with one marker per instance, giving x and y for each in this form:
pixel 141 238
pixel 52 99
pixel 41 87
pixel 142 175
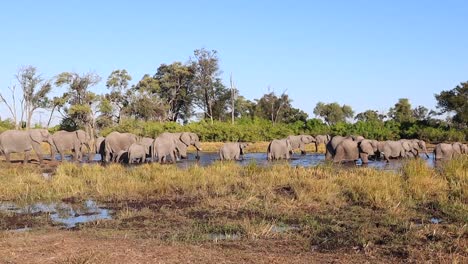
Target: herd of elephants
pixel 130 148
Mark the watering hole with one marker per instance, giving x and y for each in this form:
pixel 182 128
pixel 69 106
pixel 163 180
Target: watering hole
pixel 308 160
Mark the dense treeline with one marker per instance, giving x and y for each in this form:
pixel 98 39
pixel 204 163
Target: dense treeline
pixel 191 96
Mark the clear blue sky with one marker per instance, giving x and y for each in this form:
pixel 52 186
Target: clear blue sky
pixel 363 53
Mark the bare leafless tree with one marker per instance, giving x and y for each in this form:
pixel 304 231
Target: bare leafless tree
pixel 11 105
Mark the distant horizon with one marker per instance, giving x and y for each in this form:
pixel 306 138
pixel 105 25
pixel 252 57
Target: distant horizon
pixel 365 55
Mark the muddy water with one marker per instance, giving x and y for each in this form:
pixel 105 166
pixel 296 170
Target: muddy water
pixel 64 214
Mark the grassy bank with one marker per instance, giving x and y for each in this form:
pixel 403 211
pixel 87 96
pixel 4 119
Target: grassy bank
pixel 325 208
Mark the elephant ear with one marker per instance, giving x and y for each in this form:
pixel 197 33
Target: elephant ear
pixel 366 147
pixel 186 138
pixel 37 135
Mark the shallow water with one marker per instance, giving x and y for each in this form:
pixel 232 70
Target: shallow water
pixel 308 160
pixel 68 215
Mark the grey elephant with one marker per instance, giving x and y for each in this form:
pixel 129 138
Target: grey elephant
pixel 148 143
pixel 75 141
pixel 232 150
pixel 299 142
pixel 413 147
pixel 279 149
pixel 352 150
pixel 137 151
pixel 183 141
pixel 393 149
pixel 321 139
pixel 334 142
pixel 368 148
pixel 99 145
pixel 165 145
pixel 116 142
pixel 23 141
pixel 443 151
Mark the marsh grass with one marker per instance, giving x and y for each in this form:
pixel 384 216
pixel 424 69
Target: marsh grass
pixel 332 207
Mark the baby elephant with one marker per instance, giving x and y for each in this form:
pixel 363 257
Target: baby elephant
pixel 232 151
pixel 138 152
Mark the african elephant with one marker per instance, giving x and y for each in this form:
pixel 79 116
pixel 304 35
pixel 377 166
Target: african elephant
pixel 165 145
pixel 368 148
pixel 299 142
pixel 115 142
pixel 393 149
pixel 448 151
pixel 232 150
pixel 321 139
pixel 70 141
pixel 16 141
pixel 346 150
pixel 148 143
pixel 138 151
pixel 413 147
pixel 279 149
pixel 183 141
pixel 334 142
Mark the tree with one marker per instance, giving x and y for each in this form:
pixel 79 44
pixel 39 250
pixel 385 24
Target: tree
pixel 402 111
pixel 421 113
pixel 11 105
pixel 206 69
pixel 455 101
pixel 117 82
pixel 57 103
pixel 369 116
pixel 272 107
pixel 147 106
pixel 80 100
pixel 174 85
pixel 35 90
pixel 333 113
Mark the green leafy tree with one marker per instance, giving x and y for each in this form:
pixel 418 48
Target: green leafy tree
pixel 118 82
pixel 370 116
pixel 80 100
pixel 175 87
pixel 455 101
pixel 206 72
pixel 402 111
pixel 273 107
pixel 421 113
pixel 35 90
pixel 333 113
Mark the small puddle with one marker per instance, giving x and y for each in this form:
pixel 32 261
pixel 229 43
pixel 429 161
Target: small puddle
pixel 435 220
pixel 223 236
pixel 66 214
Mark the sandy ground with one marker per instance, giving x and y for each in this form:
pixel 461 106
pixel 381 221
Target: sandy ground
pixel 57 246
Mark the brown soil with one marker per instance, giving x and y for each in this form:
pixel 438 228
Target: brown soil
pixel 54 246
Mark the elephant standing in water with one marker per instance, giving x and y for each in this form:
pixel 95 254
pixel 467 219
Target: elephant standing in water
pixel 299 142
pixel 16 141
pixel 393 149
pixel 148 143
pixel 413 147
pixel 335 141
pixel 232 151
pixel 70 141
pixel 115 143
pixel 443 151
pixel 351 150
pixel 183 141
pixel 321 139
pixel 279 149
pixel 165 145
pixel 137 151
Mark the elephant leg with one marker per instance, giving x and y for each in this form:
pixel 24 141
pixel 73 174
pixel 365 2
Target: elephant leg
pixel 62 156
pixel 37 149
pixel 316 147
pixel 365 158
pixel 52 153
pixel 26 156
pixel 7 156
pixel 173 157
